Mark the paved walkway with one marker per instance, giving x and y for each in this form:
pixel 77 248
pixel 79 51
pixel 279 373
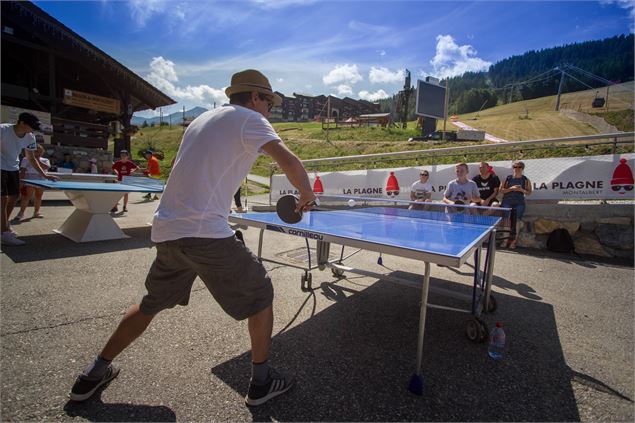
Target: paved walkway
pixel 351 342
pixel 488 137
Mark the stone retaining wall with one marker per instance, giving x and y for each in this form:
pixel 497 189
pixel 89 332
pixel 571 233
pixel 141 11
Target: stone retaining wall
pixel 604 230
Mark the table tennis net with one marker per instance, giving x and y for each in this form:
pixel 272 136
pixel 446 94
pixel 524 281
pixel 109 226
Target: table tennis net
pixel 500 217
pixel 143 181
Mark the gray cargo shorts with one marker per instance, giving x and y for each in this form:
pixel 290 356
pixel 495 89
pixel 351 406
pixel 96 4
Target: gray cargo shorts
pixel 232 274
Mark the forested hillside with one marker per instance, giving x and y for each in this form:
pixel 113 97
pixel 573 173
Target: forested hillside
pixel 534 74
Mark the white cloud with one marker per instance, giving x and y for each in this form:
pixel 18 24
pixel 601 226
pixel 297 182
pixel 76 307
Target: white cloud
pixel 344 90
pixel 163 76
pixel 142 10
pixel 379 94
pixel 281 80
pixel 385 75
pixel 624 4
pixel 342 73
pixel 453 60
pixel 163 69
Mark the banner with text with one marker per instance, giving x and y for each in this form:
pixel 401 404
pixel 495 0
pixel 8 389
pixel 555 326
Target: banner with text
pixel 567 178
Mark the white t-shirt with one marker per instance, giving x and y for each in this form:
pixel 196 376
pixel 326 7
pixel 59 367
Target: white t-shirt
pixel 421 189
pixel 11 146
pixel 30 172
pixel 218 149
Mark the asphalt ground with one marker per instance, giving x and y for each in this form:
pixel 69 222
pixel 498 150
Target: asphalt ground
pixel 350 342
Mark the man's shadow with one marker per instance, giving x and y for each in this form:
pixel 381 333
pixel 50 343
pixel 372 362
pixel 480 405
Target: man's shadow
pixel 352 361
pixel 95 410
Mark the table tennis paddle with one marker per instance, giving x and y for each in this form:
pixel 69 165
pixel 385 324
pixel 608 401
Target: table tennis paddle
pixel 459 209
pixel 286 206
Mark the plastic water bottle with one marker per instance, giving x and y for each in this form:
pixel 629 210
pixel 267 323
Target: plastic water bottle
pixel 496 342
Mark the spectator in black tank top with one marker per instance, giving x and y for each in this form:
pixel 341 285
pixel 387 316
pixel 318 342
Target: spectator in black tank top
pixel 488 185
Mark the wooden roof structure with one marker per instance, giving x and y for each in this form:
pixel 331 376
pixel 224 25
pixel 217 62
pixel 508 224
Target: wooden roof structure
pixel 48 67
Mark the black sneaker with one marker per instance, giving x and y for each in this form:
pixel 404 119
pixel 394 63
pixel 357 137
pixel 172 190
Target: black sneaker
pixel 114 210
pixel 84 388
pixel 277 384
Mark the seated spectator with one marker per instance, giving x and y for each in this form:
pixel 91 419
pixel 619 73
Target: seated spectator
pixel 462 190
pixel 421 190
pixel 27 191
pixel 488 184
pixel 123 167
pixel 67 163
pixel 514 189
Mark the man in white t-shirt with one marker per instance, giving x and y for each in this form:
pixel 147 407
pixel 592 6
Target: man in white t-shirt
pixel 14 138
pixel 193 237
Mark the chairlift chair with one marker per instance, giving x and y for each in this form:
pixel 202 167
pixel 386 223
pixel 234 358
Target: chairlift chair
pixel 598 101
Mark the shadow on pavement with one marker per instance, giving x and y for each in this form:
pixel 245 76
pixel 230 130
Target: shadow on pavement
pixel 55 246
pixel 352 361
pixel 95 410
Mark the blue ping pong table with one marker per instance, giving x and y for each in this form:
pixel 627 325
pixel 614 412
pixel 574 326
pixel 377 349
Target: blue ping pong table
pixel 91 220
pixel 427 236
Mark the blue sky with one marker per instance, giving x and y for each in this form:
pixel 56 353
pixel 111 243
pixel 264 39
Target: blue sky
pixel 190 49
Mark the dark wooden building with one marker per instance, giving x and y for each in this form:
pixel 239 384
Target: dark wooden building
pixel 49 69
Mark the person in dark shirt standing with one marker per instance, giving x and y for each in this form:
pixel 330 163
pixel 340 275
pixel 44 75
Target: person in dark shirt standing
pixel 488 185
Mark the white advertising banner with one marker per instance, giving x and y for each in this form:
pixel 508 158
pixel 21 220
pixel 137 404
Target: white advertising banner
pixel 567 178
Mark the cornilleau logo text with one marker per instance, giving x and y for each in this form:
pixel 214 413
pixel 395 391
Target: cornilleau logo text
pixel 305 234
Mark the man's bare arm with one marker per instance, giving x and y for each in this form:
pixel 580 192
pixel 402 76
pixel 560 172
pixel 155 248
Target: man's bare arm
pixel 292 167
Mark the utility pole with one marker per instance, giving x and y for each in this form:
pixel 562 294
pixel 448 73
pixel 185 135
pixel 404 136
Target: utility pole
pixel 328 117
pixel 404 97
pixel 445 106
pixel 559 88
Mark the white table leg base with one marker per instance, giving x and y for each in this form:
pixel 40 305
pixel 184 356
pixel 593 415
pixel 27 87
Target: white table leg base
pixel 82 226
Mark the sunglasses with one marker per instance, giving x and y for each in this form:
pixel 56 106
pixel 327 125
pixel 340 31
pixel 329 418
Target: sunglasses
pixel 268 99
pixel 423 174
pixel 517 167
pixel 618 187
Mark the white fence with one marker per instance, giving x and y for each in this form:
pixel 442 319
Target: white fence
pixel 590 177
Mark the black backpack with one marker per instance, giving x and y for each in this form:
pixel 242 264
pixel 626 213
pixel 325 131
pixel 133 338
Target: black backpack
pixel 560 241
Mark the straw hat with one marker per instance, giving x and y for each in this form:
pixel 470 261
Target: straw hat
pixel 252 80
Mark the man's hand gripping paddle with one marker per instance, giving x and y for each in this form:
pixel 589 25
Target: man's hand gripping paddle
pixel 288 210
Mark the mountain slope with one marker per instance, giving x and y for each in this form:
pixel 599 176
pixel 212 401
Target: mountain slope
pixel 175 118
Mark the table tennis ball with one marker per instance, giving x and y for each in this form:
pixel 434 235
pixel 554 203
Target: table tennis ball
pixel 351 203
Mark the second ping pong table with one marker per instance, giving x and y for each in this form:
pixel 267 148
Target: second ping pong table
pixel 91 219
pixel 439 237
